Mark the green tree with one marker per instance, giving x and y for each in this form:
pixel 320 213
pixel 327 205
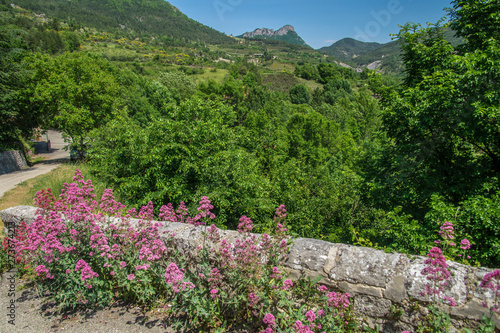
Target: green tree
pixel 14 119
pixel 299 94
pixel 444 120
pixel 178 83
pixel 477 21
pixel 79 90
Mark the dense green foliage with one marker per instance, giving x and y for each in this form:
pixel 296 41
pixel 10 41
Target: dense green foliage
pixel 444 122
pixel 78 90
pixel 172 123
pixel 18 36
pixel 245 147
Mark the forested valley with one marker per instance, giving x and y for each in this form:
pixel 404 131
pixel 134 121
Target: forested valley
pixel 357 157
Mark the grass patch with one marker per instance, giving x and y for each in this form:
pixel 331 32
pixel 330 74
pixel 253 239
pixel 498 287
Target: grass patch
pixel 310 84
pixel 218 76
pixel 25 191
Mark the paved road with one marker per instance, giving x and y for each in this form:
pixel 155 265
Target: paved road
pixel 52 160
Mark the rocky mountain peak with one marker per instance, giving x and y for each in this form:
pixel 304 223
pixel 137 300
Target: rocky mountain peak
pixel 284 30
pixel 269 32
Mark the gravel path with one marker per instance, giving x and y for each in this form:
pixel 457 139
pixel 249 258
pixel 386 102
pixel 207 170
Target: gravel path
pixel 53 159
pixel 30 314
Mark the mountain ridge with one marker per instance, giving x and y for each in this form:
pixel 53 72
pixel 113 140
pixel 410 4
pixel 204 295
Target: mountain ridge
pixel 384 56
pixel 286 33
pixel 145 17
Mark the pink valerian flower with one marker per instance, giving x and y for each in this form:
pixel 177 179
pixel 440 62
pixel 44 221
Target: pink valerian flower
pixel 87 272
pixel 146 212
pixel 276 274
pixel 42 270
pixel 280 213
pixel 437 273
pixel 213 234
pixel 266 243
pixel 132 212
pixel 112 273
pixel 123 264
pixel 491 281
pixel 449 301
pixel 167 213
pixel 323 288
pixel 225 252
pixel 465 244
pixel 144 267
pixel 174 277
pixel 287 284
pixel 253 300
pixel 279 218
pixel 321 313
pixel 311 316
pixel 269 320
pixel 301 328
pixel 245 225
pixel 181 212
pixel 215 278
pixel 204 211
pixel 447 230
pixel 213 293
pixel 338 300
pixel 131 277
pixel 44 199
pixel 109 204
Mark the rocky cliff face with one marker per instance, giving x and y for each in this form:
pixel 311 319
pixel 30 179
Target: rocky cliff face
pixel 269 32
pixel 285 34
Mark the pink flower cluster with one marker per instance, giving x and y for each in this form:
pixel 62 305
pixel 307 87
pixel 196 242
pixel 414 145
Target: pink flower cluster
pixel 491 281
pixel 42 270
pixel 436 271
pixel 174 277
pixel 465 244
pixel 167 213
pixel 311 317
pixel 447 230
pixel 87 272
pixel 338 300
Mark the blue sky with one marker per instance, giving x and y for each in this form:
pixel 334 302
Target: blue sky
pixel 319 23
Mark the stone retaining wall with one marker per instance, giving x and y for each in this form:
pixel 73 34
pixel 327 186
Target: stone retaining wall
pixel 386 287
pixel 12 160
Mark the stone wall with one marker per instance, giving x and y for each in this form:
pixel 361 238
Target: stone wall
pixel 12 160
pixel 387 287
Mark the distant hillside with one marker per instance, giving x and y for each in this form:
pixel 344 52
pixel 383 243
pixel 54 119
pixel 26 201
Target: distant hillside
pixel 374 55
pixel 143 17
pixel 285 34
pixel 347 49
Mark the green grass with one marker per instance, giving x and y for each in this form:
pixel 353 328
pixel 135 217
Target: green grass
pixel 311 84
pixel 218 75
